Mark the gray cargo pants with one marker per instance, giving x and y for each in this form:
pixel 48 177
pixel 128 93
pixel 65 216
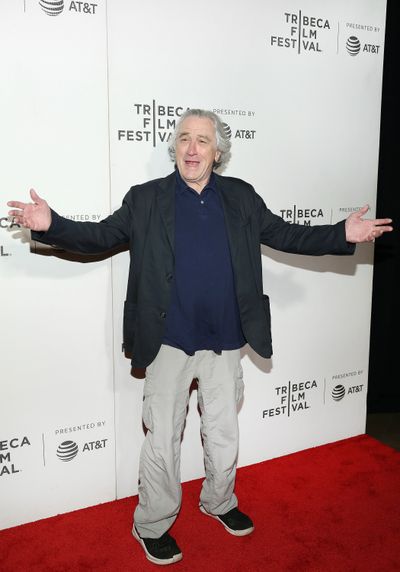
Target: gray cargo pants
pixel 166 395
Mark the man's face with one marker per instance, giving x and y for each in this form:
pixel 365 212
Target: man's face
pixel 196 151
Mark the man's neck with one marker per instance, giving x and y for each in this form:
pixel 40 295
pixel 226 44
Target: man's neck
pixel 197 186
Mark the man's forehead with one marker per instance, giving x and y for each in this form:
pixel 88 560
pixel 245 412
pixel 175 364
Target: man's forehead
pixel 197 125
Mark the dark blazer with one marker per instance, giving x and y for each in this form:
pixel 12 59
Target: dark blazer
pixel 146 222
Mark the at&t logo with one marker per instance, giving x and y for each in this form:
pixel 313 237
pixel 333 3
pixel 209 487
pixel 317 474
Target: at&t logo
pixel 239 133
pixel 339 391
pixel 353 47
pixel 52 7
pixel 56 7
pixel 228 130
pixel 67 451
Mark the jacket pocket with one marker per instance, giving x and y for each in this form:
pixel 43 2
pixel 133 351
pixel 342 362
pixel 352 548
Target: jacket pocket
pixel 129 325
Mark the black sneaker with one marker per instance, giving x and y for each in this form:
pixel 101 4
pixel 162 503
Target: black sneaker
pixel 234 521
pixel 163 550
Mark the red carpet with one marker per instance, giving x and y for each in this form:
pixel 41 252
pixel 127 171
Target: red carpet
pixel 333 508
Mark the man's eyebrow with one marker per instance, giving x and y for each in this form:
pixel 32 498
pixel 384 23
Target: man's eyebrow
pixel 185 133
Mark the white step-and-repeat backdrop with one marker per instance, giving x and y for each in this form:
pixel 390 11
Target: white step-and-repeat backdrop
pixel 90 94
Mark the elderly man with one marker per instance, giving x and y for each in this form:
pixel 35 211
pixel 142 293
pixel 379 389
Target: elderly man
pixel 194 298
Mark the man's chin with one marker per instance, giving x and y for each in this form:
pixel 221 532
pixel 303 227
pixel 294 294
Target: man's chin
pixel 191 177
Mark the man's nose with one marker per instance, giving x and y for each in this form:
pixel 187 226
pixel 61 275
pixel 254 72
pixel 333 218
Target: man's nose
pixel 192 149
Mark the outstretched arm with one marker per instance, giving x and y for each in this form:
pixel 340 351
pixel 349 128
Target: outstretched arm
pixel 85 237
pixel 35 216
pixel 361 230
pixel 339 238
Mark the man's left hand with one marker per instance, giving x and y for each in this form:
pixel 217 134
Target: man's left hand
pixel 360 230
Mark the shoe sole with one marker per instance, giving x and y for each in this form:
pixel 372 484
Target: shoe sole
pixel 243 532
pixel 153 559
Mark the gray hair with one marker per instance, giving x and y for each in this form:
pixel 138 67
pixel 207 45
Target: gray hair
pixel 221 135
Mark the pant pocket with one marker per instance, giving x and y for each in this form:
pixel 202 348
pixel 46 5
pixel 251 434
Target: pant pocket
pixel 239 383
pixel 147 413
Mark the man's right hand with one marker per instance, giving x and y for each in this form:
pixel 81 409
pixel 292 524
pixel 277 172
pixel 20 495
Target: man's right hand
pixel 35 216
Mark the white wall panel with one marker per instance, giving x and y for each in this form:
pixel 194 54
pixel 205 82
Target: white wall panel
pixel 57 373
pixel 90 98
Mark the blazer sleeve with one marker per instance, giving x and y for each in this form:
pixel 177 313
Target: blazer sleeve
pixel 298 239
pixel 89 237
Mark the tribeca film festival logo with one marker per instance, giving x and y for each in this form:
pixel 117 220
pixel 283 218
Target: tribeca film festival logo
pixel 56 7
pixel 292 398
pixel 7 448
pixel 8 224
pixel 300 215
pixel 303 32
pixel 157 123
pixel 339 391
pixel 3 251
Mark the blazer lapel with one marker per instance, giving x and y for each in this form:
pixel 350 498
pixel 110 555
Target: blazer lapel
pixel 166 202
pixel 233 218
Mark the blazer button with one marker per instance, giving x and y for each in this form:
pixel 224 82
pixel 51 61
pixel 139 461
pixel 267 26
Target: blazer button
pixel 163 314
pixel 169 277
